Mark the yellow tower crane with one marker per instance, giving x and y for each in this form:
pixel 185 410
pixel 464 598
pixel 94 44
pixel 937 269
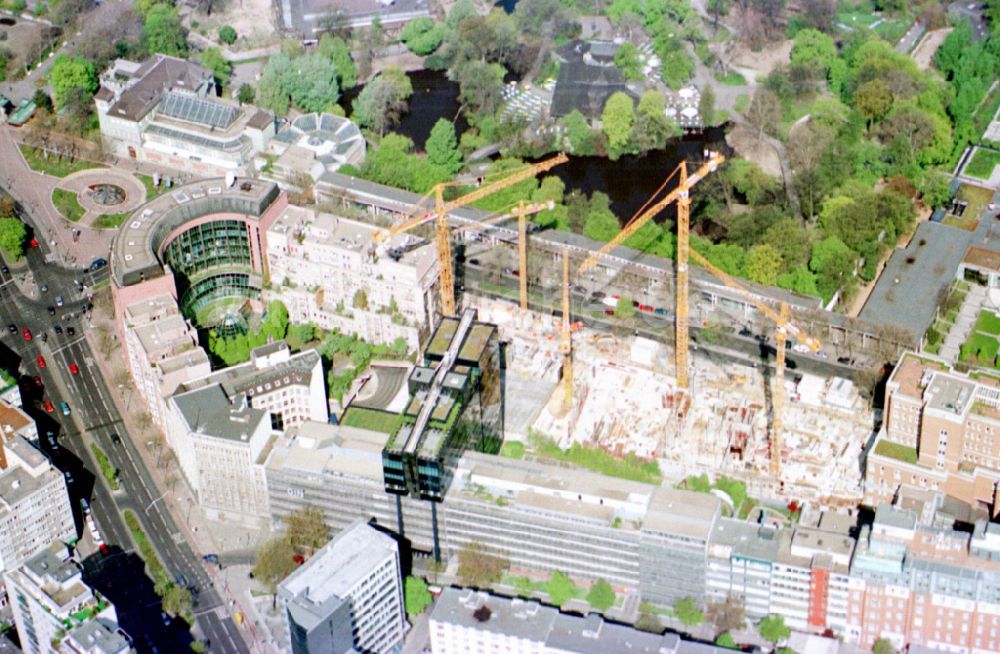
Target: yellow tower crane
pixel 785 328
pixel 681 195
pixel 442 232
pixel 521 212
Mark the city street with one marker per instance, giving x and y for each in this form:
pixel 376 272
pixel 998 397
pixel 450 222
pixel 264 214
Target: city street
pixel 94 417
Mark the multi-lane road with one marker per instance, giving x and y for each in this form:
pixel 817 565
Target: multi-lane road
pixel 94 413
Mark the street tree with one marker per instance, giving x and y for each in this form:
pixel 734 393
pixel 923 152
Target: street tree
pixel 687 611
pixel 275 561
pixel 624 309
pixel 177 600
pixel 559 588
pixel 601 595
pixel 772 629
pixel 883 646
pixel 12 237
pixel 306 530
pixel 478 566
pixel 728 614
pixel 416 596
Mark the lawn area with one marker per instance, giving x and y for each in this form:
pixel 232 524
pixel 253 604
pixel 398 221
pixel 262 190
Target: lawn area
pixel 968 221
pixel 982 163
pixel 732 78
pixel 977 197
pixel 54 166
pixel 512 450
pixel 111 220
pixel 381 421
pixel 151 190
pixel 896 451
pixel 856 18
pixel 598 460
pixel 892 30
pixel 67 204
pixel 109 471
pixel 988 322
pixel 980 348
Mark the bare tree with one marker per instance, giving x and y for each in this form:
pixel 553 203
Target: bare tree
pixel 728 614
pixel 764 112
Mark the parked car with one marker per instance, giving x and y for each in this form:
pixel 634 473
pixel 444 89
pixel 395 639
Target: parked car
pixel 97 264
pixel 65 408
pixel 12 328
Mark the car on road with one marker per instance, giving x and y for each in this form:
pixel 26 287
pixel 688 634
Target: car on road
pixel 474 262
pixel 12 328
pixel 53 443
pixel 746 332
pixel 70 331
pixel 57 329
pixel 210 558
pixel 33 243
pixel 51 310
pixel 661 312
pixel 84 505
pixel 97 264
pixel 578 290
pixel 59 301
pixel 597 296
pixel 845 361
pixel 800 348
pixel 181 580
pixel 37 380
pixel 115 438
pixel 26 333
pixel 69 477
pixel 49 407
pixel 165 618
pixel 5 270
pixel 65 408
pixel 74 369
pixel 44 288
pixel 41 361
pixel 104 549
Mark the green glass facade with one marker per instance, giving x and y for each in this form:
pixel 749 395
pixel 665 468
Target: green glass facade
pixel 211 262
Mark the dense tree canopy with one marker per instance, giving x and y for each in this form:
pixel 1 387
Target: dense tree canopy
pixel 383 100
pixel 163 32
pixel 69 74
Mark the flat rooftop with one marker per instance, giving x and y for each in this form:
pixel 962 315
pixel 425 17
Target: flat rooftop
pixel 950 394
pixel 910 371
pixel 687 513
pixel 209 411
pixel 135 253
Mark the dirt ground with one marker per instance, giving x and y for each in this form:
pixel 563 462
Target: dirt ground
pixel 253 21
pixel 22 37
pixel 758 64
pixel 923 54
pixel 748 146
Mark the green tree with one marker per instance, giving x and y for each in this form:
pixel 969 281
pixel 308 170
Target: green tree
pixel 336 50
pixel 422 36
pixel 275 561
pixel 624 308
pixel 559 588
pixel 814 49
pixel 480 85
pixel 627 58
pixel 212 59
pixel 687 611
pixel 833 263
pixel 42 100
pixel 763 264
pixel 70 74
pixel 227 34
pixel 883 646
pixel 773 629
pixel 873 99
pixel 309 82
pixel 578 133
pixel 442 146
pixel 12 237
pixel 246 93
pixel 360 300
pixel 306 530
pixel 601 224
pixel 383 100
pixel 177 600
pixel 706 105
pixel 163 33
pixel 416 596
pixel 601 595
pixel 800 280
pixel 199 647
pixel 616 122
pixel 726 640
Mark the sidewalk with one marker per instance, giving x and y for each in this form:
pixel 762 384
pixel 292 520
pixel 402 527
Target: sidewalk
pixel 204 536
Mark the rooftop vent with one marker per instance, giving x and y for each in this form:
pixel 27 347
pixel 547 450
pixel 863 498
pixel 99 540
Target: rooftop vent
pixel 482 614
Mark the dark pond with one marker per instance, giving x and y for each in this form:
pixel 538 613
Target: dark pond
pixel 629 181
pixel 434 96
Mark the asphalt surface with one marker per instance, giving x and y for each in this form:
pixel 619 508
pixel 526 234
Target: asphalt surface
pixel 93 411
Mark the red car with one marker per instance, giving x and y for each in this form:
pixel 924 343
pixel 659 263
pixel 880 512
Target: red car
pixel 37 380
pixel 73 368
pixel 26 333
pixel 33 243
pixel 41 361
pixel 104 549
pixel 49 408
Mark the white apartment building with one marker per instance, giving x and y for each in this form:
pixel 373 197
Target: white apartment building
pixel 329 271
pixel 473 622
pixel 162 352
pixel 34 504
pixel 222 426
pixel 53 607
pixel 347 597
